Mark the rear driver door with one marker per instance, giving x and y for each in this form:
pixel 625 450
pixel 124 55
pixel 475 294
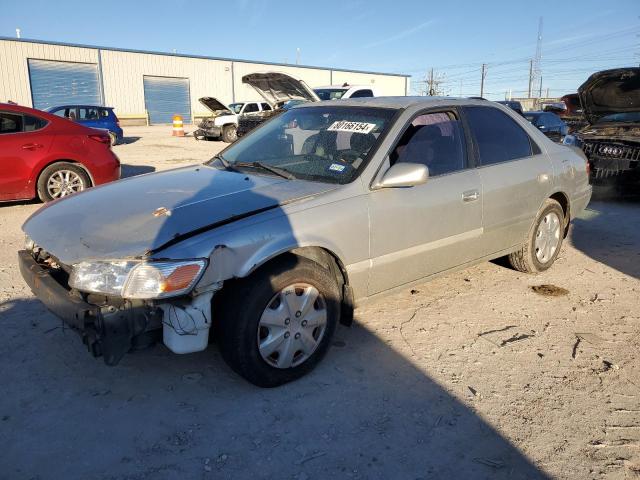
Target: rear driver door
pixel 516 177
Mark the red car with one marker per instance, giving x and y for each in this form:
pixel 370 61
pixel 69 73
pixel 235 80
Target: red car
pixel 45 156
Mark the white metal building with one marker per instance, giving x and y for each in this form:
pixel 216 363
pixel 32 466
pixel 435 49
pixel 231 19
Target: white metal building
pixel 147 87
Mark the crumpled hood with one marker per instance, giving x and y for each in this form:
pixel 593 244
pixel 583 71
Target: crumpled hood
pixel 610 91
pixel 215 105
pixel 276 87
pixel 131 217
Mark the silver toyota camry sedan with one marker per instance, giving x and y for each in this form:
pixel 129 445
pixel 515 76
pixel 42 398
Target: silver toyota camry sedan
pixel 269 245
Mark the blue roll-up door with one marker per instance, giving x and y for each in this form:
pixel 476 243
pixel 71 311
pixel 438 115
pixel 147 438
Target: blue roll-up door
pixel 62 83
pixel 165 97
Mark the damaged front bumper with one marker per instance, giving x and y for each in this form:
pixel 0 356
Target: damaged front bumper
pixel 207 130
pixel 111 327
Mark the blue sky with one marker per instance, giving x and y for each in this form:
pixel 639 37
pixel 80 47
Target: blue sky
pixel 453 37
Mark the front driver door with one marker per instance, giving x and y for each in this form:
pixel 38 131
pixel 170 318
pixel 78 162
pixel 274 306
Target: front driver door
pixel 425 229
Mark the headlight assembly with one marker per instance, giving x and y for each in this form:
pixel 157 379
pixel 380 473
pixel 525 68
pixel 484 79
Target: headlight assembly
pixel 144 280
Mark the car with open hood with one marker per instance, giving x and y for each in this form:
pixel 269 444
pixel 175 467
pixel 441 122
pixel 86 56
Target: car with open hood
pixel 280 91
pixel 610 101
pixel 222 123
pixel 271 243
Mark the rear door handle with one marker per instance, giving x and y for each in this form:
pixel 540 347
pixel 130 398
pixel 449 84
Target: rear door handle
pixel 470 196
pixel 31 146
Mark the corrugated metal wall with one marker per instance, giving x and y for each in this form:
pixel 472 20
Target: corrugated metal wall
pixel 123 72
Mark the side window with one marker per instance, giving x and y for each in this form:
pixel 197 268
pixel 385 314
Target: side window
pixel 498 137
pixel 435 140
pixel 88 114
pixel 63 112
pixel 31 124
pixel 251 107
pixel 10 123
pixel 265 106
pixel 104 113
pixel 362 93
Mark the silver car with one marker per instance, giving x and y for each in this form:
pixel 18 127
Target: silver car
pixel 269 245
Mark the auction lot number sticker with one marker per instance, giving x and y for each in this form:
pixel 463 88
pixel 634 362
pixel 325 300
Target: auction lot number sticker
pixel 353 127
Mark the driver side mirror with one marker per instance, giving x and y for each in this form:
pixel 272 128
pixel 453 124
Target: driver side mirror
pixel 404 175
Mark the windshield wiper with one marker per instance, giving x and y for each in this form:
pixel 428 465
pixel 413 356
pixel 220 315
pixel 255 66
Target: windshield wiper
pixel 225 163
pixel 281 172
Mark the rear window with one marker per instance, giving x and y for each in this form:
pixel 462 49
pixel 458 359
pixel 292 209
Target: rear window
pixel 31 124
pixel 498 138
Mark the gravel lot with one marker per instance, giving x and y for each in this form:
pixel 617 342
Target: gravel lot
pixel 475 375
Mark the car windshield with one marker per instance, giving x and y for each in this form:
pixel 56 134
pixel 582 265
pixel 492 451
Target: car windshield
pixel 236 107
pixel 330 93
pixel 632 117
pixel 325 144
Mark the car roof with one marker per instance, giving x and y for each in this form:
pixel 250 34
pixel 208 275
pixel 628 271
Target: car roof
pixel 400 102
pixel 79 106
pixel 343 87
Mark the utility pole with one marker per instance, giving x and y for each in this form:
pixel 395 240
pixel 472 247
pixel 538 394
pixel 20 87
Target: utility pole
pixel 530 77
pixel 297 56
pixel 483 74
pixel 460 88
pixel 17 33
pixel 540 92
pixel 431 93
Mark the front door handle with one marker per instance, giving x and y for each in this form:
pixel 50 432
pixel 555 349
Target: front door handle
pixel 470 196
pixel 31 146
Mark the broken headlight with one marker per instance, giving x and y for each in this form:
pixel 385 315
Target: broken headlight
pixel 145 280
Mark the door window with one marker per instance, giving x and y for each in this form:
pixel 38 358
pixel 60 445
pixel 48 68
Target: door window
pixel 362 93
pixel 435 140
pixel 251 107
pixel 88 113
pixel 265 106
pixel 498 137
pixel 10 123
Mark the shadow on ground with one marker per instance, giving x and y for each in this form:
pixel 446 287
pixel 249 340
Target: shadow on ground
pixel 610 235
pixel 128 140
pixel 365 412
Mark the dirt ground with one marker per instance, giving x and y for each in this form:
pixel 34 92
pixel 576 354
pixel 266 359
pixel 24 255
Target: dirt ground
pixel 481 374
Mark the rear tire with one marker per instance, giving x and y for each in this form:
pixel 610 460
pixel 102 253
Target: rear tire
pixel 61 179
pixel 543 241
pixel 251 324
pixel 229 133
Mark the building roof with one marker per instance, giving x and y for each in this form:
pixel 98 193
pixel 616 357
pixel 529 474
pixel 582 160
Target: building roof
pixel 201 57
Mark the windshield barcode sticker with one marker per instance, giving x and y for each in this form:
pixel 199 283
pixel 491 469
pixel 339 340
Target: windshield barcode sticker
pixel 354 127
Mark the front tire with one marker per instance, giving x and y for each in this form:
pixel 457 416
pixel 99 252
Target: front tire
pixel 229 133
pixel 60 180
pixel 277 324
pixel 543 241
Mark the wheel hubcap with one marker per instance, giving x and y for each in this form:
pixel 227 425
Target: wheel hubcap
pixel 292 325
pixel 547 237
pixel 63 183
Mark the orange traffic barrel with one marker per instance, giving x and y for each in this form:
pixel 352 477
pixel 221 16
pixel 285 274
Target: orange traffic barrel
pixel 178 127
